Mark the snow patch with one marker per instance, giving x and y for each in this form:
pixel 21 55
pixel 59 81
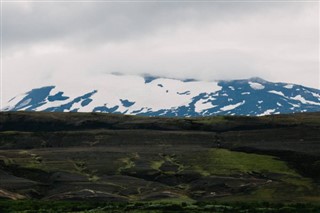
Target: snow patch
pixel 294 105
pixel 268 112
pixel 203 105
pixel 232 106
pixel 304 101
pixel 277 93
pixel 288 86
pixel 13 102
pixel 316 95
pixel 256 86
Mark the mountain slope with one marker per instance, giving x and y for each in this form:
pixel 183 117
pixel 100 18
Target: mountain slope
pixel 153 96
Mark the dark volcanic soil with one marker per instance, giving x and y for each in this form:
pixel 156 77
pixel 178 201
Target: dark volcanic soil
pixel 103 157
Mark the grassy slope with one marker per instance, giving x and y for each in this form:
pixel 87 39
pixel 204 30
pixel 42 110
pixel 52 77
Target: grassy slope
pixel 59 155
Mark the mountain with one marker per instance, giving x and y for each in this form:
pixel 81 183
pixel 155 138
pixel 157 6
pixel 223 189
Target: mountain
pixel 158 96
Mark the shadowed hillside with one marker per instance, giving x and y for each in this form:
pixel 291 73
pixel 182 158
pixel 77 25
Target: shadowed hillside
pixel 108 157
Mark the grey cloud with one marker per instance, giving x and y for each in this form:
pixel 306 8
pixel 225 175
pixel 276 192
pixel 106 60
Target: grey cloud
pixel 106 21
pixel 207 40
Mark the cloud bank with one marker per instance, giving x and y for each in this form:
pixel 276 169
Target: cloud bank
pixel 45 42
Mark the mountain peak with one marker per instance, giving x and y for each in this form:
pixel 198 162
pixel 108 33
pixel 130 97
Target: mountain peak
pixel 159 96
pixel 258 80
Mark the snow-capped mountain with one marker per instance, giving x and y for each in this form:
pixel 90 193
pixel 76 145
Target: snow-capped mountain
pixel 152 96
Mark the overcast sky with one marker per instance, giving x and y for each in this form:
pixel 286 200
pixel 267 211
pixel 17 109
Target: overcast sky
pixel 44 42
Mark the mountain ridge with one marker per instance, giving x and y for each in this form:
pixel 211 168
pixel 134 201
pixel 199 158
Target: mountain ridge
pixel 158 96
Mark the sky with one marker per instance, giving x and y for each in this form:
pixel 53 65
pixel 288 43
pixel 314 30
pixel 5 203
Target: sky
pixel 45 42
